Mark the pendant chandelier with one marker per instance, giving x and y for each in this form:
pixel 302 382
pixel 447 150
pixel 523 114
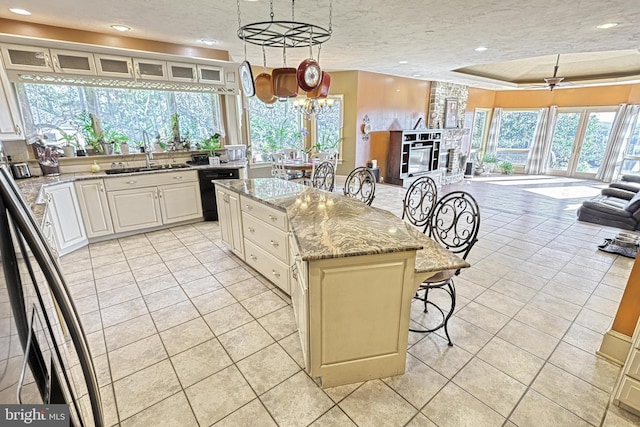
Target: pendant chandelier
pixel 284 82
pixel 309 107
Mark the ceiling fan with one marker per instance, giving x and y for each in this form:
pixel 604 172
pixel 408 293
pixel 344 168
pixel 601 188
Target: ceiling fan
pixel 554 81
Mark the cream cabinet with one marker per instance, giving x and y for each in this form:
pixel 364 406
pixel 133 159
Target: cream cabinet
pixel 64 217
pixel 210 74
pixel 182 72
pixel 627 390
pixel 94 206
pixel 10 118
pixel 27 58
pixel 146 201
pixel 150 69
pixel 300 298
pixel 230 220
pixel 113 66
pixel 265 231
pixel 73 62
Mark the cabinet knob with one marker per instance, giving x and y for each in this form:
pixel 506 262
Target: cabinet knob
pixel 273 218
pixel 275 273
pixel 131 182
pixel 251 229
pixel 18 129
pixel 274 243
pixel 249 207
pixel 177 177
pixel 253 257
pixel 102 188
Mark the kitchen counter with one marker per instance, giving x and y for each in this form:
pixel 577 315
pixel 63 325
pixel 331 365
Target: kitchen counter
pixel 31 188
pixel 330 225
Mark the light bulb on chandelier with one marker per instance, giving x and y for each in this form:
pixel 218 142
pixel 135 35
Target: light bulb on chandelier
pixel 313 107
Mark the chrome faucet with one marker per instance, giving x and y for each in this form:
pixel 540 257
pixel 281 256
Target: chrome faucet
pixel 147 148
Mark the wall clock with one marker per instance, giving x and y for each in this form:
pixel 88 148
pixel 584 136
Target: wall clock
pixel 246 78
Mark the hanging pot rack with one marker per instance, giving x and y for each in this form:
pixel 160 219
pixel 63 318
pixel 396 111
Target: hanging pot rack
pixel 284 33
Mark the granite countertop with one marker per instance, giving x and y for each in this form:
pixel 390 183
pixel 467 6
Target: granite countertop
pixel 31 188
pixel 330 225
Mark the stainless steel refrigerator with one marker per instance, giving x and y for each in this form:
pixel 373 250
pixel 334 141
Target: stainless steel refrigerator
pixel 44 355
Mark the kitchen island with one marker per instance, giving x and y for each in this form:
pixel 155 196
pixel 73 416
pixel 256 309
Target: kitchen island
pixel 350 269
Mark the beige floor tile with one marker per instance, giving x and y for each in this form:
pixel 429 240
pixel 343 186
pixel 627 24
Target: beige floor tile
pixel 128 332
pixel 105 260
pixel 191 274
pixel 529 280
pixel 465 335
pixel 172 245
pixel 555 306
pixel 185 335
pixel 617 417
pixel 375 404
pixel 608 292
pixel 245 289
pixel 109 411
pixel 479 277
pixel 420 421
pixel 228 318
pixel 200 362
pixel 148 272
pixel 252 414
pixel 87 304
pixel 334 417
pixel 230 276
pixel 576 282
pixel 245 340
pixel 136 356
pixel 164 298
pixel 201 286
pixel 583 338
pixel 291 345
pixel 156 284
pixel 418 384
pixel 145 388
pixel 566 293
pixel 602 305
pixel 483 317
pixel 226 388
pixel 511 360
pixel 586 273
pixel 496 389
pixel 110 269
pixel 543 271
pixel 118 295
pixel 103 373
pixel 535 410
pixel 83 289
pixel 594 320
pixel 454 407
pixel 267 368
pixel 82 276
pixel 182 263
pixel 123 312
pixel 528 338
pixel 340 392
pixel 212 301
pixel 174 315
pixel 542 321
pixel 435 353
pixel 279 323
pixel 219 264
pixel 263 304
pixel 586 366
pixel 114 281
pixel 144 261
pixel 298 392
pixel 500 303
pixel 513 290
pixel 468 289
pixel 173 411
pixel 160 236
pixel 133 253
pixel 178 252
pixel 96 343
pixel 91 322
pixel 584 400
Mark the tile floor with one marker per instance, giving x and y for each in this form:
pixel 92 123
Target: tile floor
pixel 184 334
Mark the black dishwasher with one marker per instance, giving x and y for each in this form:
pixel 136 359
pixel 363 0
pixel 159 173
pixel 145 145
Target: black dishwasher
pixel 207 192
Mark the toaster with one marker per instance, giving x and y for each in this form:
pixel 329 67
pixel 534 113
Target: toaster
pixel 20 170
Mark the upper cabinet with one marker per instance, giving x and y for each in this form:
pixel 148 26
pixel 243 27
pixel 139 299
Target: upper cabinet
pixel 181 72
pixel 10 118
pixel 26 58
pixel 150 69
pixel 72 62
pixel 113 66
pixel 80 63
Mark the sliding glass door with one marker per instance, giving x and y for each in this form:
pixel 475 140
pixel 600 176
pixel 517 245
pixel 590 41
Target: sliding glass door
pixel 579 141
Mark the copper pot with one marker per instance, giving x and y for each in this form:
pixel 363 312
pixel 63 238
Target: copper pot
pixel 264 88
pixel 285 82
pixel 323 88
pixel 309 75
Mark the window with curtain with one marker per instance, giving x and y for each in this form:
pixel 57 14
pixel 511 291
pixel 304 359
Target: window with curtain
pixel 480 128
pixel 517 128
pixel 280 126
pixel 631 162
pixel 54 110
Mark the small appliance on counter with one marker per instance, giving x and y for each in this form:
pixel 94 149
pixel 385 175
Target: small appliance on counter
pixel 20 170
pixel 235 152
pixel 198 160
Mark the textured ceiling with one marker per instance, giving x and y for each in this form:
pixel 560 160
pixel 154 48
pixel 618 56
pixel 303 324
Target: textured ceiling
pixel 434 37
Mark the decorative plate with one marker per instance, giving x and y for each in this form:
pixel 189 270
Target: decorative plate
pixel 246 77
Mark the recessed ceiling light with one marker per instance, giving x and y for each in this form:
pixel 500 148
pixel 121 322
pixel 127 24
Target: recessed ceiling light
pixel 608 25
pixel 208 42
pixel 417 75
pixel 120 27
pixel 397 90
pixel 481 49
pixel 20 11
pixel 403 62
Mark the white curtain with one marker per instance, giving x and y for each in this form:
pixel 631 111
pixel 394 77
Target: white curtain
pixel 494 132
pixel 539 153
pixel 620 130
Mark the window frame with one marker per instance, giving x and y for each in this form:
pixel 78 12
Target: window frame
pixel 516 150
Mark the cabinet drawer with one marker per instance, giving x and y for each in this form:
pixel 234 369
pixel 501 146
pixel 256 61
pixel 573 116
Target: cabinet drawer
pixel 150 180
pixel 271 268
pixel 629 393
pixel 265 213
pixel 632 367
pixel 271 239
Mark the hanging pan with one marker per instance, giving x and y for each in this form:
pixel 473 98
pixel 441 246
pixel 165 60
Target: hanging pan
pixel 323 88
pixel 264 85
pixel 285 80
pixel 246 76
pixel 309 73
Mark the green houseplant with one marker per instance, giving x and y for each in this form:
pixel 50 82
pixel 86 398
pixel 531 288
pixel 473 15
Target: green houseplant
pixel 210 145
pixel 506 167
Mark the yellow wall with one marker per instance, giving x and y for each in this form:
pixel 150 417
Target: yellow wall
pixel 346 83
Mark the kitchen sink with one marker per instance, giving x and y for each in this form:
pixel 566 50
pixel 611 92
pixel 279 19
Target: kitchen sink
pixel 150 169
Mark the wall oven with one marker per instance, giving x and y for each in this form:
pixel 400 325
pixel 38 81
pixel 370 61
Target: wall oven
pixel 420 158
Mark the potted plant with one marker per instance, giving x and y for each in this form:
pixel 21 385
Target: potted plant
pixel 210 145
pixel 506 167
pixel 91 131
pixel 70 145
pixel 489 162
